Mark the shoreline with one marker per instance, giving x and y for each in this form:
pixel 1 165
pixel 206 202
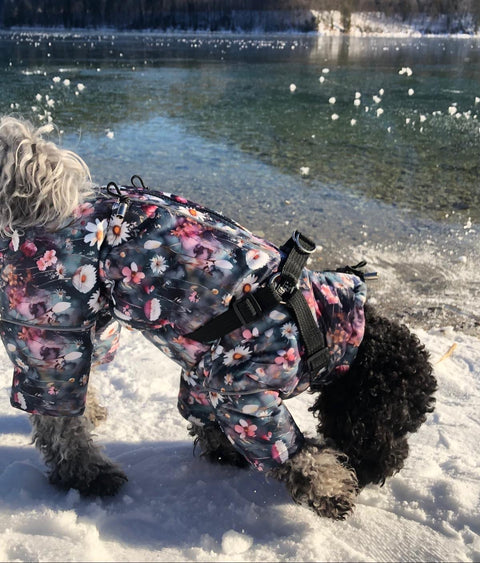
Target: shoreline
pixel 413 34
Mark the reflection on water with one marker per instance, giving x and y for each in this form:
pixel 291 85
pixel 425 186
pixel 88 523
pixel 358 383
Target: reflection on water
pixel 389 159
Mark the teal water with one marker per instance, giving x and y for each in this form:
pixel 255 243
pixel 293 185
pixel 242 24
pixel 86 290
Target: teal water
pixel 393 177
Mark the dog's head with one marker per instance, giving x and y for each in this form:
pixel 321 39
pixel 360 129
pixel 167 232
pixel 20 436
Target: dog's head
pixel 40 183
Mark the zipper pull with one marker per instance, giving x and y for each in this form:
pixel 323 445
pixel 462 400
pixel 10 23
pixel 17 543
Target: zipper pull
pixel 123 201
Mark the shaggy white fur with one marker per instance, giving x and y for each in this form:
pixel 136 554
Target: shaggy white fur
pixel 318 477
pixel 40 183
pixel 74 460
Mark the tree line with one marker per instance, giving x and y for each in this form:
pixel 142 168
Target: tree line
pixel 206 14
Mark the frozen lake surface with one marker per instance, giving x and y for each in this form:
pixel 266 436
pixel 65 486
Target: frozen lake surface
pixel 369 145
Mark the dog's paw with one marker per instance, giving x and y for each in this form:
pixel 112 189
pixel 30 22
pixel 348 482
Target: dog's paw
pixel 107 483
pixel 318 478
pixel 99 480
pixel 215 447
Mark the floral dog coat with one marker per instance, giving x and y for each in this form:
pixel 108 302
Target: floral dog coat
pixel 165 269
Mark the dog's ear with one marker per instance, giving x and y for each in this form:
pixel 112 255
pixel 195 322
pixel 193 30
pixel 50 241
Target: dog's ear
pixel 40 183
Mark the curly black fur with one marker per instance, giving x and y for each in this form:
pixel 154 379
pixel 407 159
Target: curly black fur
pixel 369 410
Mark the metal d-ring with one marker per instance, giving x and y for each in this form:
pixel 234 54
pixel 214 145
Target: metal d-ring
pixel 299 241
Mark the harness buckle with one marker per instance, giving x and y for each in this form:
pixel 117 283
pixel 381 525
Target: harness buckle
pixel 283 285
pixel 247 309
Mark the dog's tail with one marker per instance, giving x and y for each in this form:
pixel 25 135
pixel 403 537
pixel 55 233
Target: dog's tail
pixel 369 411
pixel 40 183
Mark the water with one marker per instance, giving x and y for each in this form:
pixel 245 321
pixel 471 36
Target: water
pixel 213 117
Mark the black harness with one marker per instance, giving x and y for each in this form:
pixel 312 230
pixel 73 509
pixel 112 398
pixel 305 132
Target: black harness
pixel 282 288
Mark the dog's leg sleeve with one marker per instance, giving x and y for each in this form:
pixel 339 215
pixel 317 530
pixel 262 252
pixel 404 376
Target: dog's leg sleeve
pixel 260 427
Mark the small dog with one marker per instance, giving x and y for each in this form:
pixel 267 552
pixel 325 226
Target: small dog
pixel 249 324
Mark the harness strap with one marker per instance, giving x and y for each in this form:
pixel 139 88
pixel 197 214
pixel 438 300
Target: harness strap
pixel 282 288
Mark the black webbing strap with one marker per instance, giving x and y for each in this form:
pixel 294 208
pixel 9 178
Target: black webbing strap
pixel 281 288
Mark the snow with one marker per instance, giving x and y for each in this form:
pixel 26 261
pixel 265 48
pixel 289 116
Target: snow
pixel 178 507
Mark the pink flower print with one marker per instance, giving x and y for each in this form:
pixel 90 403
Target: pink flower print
pixel 330 296
pixel 200 398
pixel 83 210
pixel 48 259
pixel 149 210
pixel 28 248
pixel 245 429
pixel 180 199
pixel 193 297
pixel 258 465
pixel 187 229
pixel 249 334
pixel 286 357
pixel 132 274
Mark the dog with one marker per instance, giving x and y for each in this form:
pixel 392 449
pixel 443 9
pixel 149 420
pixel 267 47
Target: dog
pixel 248 322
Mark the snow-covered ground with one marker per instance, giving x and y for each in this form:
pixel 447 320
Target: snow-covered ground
pixel 177 507
pixel 377 23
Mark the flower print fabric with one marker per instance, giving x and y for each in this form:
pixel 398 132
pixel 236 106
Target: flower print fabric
pixel 54 312
pixel 167 268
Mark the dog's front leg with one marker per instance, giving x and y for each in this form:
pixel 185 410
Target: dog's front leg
pixel 73 459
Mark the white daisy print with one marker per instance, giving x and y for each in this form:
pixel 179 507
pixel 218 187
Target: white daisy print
pixel 192 212
pixel 95 302
pixel 256 259
pixel 84 278
pixel 123 315
pixel 97 232
pixel 61 270
pixel 279 451
pixel 289 330
pixel 152 309
pixel 215 398
pixel 15 240
pixel 236 355
pixel 249 284
pixel 158 264
pixel 118 232
pixel 189 377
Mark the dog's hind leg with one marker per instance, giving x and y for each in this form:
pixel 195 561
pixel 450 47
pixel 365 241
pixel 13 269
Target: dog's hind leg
pixel 369 411
pixel 72 457
pixel 94 412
